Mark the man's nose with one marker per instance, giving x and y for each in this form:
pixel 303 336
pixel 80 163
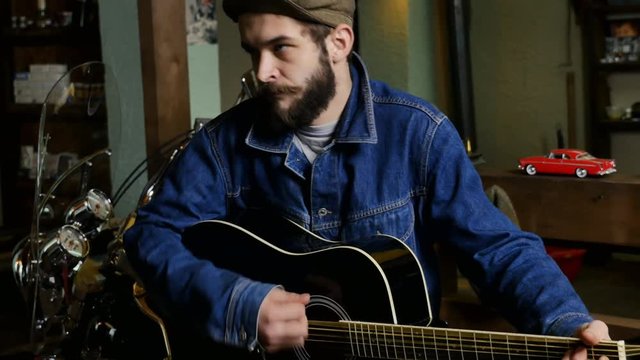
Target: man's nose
pixel 266 69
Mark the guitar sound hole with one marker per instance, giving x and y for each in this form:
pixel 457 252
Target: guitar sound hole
pixel 323 344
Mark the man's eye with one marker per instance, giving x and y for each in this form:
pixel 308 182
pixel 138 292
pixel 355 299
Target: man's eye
pixel 280 47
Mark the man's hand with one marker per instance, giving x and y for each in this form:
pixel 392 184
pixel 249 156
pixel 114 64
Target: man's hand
pixel 282 322
pixel 590 334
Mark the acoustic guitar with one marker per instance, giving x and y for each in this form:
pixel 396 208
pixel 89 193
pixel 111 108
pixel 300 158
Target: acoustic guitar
pixel 366 303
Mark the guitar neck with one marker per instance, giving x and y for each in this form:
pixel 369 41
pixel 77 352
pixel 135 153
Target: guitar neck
pixel 385 341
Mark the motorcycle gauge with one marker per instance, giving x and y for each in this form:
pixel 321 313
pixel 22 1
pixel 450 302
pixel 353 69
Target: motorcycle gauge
pixel 90 211
pixel 73 241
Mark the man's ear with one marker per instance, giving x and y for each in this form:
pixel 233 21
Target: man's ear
pixel 340 42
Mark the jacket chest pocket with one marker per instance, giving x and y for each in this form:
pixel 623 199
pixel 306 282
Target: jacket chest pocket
pixel 396 220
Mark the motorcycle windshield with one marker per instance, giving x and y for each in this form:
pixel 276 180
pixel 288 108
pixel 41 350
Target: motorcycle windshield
pixel 74 197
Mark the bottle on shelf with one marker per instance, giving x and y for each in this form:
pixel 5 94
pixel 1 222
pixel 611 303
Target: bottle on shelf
pixel 43 20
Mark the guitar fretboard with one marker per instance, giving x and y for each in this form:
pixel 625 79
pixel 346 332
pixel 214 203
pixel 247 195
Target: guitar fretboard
pixel 384 341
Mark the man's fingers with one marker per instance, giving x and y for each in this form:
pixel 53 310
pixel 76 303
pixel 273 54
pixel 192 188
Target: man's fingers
pixel 594 332
pixel 284 312
pixel 285 334
pixel 282 321
pixel 285 296
pixel 590 334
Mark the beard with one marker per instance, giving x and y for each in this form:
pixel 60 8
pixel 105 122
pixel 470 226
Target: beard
pixel 313 99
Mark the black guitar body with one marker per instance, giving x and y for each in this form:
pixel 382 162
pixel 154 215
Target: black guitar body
pixel 383 284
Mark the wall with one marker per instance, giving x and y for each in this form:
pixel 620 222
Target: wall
pixel 121 54
pixel 520 60
pixel 202 53
pixel 398 45
pixel 233 60
pixel 204 80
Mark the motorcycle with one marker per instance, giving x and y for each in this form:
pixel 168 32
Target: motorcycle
pixel 85 301
pixel 71 268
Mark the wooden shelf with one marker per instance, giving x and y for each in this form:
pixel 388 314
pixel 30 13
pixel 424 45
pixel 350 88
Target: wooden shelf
pixel 68 113
pixel 52 36
pixel 630 11
pixel 607 208
pixel 621 125
pixel 619 67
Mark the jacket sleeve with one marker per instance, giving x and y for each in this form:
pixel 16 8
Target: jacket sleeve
pixel 509 268
pixel 216 302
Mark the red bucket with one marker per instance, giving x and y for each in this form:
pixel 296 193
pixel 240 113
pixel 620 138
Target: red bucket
pixel 569 259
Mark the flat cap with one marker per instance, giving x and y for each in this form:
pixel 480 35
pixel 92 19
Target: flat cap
pixel 327 12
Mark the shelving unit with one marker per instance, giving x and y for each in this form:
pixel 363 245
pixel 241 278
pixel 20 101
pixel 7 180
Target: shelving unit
pixel 597 16
pixel 70 45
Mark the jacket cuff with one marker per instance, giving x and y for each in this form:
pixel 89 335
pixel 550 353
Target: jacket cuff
pixel 242 313
pixel 569 324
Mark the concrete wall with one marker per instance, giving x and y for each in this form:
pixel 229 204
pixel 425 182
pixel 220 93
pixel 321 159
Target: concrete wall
pixel 233 59
pixel 121 54
pixel 204 80
pixel 396 43
pixel 521 56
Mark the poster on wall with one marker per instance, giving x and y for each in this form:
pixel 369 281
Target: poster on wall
pixel 202 26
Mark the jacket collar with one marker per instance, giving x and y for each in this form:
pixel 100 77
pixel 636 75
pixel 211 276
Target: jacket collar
pixel 357 122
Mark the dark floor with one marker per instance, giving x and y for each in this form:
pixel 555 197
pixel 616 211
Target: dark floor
pixel 611 286
pixel 13 324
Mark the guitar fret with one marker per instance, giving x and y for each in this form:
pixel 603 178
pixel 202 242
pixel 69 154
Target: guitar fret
pixel 413 344
pixel 358 340
pixel 386 347
pixel 424 346
pixel 393 337
pixel 351 337
pixel 435 343
pixel 446 335
pixel 475 346
pixel 364 342
pixel 546 347
pixel 461 347
pixel 370 340
pixel 404 349
pixel 491 347
pixel 375 329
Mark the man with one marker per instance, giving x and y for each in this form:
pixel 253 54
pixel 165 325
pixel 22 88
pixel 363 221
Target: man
pixel 345 157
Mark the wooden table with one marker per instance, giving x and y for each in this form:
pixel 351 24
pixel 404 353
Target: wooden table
pixel 598 210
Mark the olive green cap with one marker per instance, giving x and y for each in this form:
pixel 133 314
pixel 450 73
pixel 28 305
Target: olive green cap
pixel 327 12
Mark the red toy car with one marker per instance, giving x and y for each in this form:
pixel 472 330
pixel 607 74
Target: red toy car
pixel 567 161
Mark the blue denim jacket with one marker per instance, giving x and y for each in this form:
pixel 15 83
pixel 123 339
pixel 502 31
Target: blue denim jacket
pixel 397 166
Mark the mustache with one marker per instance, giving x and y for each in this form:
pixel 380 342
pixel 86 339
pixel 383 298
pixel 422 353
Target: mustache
pixel 272 90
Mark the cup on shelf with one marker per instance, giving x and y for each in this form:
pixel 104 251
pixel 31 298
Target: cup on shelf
pixel 615 112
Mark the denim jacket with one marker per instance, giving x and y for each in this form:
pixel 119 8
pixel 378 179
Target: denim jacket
pixel 396 166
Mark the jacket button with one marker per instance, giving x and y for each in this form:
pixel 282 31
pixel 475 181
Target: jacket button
pixel 323 212
pixel 243 335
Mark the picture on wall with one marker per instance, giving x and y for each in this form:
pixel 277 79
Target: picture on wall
pixel 202 26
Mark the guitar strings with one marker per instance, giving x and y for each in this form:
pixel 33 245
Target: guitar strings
pixel 433 347
pixel 532 347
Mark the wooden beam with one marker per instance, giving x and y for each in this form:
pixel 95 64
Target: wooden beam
pixel 165 77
